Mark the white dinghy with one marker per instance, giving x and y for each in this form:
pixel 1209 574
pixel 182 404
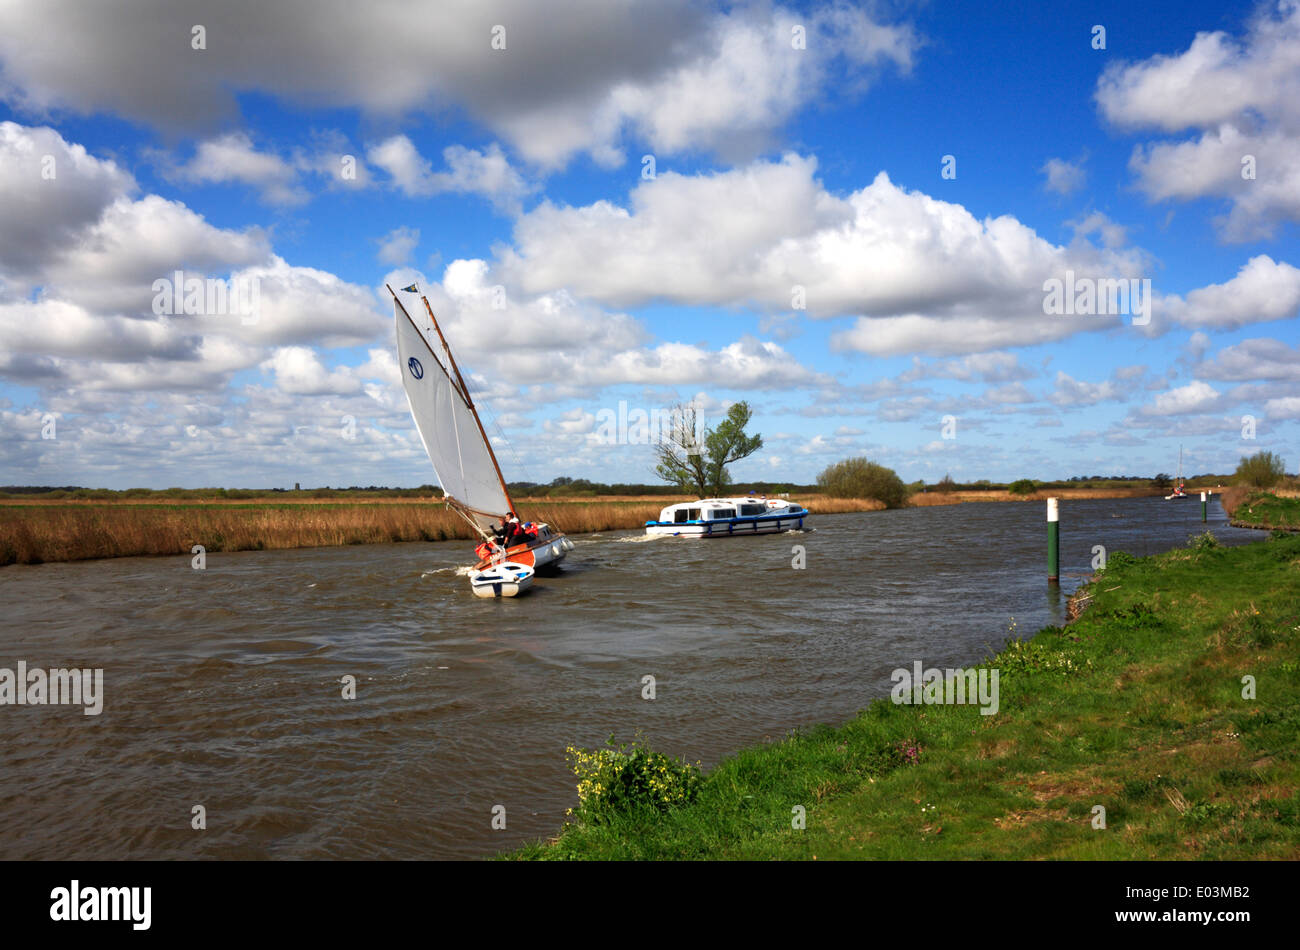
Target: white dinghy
pixel 506 579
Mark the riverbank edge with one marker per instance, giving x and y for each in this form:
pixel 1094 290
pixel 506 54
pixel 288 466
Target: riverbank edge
pixel 1263 527
pixel 53 532
pixel 1234 499
pixel 1134 715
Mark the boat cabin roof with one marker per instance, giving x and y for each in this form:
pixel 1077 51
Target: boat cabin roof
pixel 709 509
pixel 727 502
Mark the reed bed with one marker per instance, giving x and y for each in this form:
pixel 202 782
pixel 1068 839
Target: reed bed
pixel 76 530
pixel 72 531
pixel 1232 497
pixel 32 532
pixel 49 533
pixel 929 499
pixel 278 499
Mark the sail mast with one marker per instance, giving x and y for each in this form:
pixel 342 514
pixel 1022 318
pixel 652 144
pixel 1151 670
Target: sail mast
pixel 464 391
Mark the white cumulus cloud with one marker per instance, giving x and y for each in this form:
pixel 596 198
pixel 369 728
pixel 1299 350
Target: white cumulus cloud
pixel 1240 99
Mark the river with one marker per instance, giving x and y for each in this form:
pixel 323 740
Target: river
pixel 223 687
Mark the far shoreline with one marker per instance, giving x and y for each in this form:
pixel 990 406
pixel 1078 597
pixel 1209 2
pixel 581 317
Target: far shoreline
pixel 35 530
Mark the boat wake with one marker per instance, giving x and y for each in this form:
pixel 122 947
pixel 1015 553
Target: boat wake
pixel 463 571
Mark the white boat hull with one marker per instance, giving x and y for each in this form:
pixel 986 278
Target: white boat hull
pixel 506 579
pixel 718 518
pixel 724 531
pixel 549 548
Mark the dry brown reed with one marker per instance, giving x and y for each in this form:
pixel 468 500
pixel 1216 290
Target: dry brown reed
pixel 1233 497
pixel 927 499
pixel 34 531
pixel 72 531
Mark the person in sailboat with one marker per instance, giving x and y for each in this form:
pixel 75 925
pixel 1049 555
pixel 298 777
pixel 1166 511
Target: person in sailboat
pixel 504 535
pixel 511 531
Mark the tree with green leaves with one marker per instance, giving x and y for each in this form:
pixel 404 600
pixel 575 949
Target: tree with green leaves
pixel 697 461
pixel 861 478
pixel 1023 486
pixel 1261 470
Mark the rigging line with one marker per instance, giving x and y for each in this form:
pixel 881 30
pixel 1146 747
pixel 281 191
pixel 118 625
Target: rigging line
pixel 462 511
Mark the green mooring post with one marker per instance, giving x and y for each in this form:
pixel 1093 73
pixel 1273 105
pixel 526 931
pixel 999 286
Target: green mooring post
pixel 1053 542
pixel 1203 494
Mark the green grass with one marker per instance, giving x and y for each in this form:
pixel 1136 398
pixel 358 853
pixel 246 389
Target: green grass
pixel 1265 510
pixel 1137 707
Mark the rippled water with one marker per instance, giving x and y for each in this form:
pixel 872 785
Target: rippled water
pixel 223 686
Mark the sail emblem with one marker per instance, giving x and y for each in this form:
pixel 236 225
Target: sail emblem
pixel 416 369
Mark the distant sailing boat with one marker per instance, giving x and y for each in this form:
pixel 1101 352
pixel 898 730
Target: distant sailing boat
pixel 458 447
pixel 1178 491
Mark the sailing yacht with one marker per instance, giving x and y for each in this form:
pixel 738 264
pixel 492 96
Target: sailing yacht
pixel 1178 491
pixel 458 447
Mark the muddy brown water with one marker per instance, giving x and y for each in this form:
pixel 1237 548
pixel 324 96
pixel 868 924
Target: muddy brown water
pixel 223 686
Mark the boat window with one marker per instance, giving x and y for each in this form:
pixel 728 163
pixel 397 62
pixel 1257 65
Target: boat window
pixel 692 514
pixel 680 515
pixel 720 513
pixel 751 509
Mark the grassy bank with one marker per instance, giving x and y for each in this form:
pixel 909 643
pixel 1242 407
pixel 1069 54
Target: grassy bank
pixel 74 529
pixel 1248 508
pixel 1136 707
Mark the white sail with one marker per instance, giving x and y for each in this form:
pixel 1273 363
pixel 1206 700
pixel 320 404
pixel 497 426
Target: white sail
pixel 447 425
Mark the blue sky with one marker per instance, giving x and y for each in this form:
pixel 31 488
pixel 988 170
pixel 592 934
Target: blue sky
pixel 798 151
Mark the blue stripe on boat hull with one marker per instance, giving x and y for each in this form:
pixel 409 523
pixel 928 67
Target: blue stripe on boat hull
pixel 737 526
